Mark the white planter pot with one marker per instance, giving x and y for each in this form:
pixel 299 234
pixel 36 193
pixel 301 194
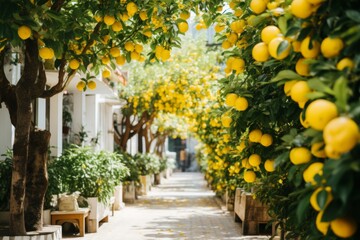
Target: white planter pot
pixel 119 204
pixel 99 212
pixel 46 216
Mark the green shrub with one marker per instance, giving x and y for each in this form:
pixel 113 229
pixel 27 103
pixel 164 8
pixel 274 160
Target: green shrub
pixel 5 180
pixel 147 163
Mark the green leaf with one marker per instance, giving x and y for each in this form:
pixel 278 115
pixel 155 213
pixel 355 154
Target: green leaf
pixel 333 210
pixel 282 47
pixel 341 92
pixel 282 24
pixel 286 74
pixel 302 208
pixel 321 198
pixel 353 15
pixel 318 85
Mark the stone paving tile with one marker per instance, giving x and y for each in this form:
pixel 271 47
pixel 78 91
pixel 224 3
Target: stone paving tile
pixel 182 207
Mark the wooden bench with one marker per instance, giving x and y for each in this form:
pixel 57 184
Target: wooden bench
pixel 79 217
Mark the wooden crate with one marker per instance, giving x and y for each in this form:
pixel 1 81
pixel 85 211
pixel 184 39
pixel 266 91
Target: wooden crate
pixel 251 213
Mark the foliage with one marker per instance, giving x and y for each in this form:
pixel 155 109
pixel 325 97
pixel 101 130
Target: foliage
pixel 147 163
pixel 131 164
pixel 5 179
pixel 92 174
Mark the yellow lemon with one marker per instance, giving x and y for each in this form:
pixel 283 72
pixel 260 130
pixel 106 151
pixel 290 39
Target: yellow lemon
pixel 80 85
pixel 296 45
pixel 245 163
pixel 143 15
pixel 323 227
pixel 269 165
pixel 230 99
pixel 24 32
pixel 249 176
pixel 309 51
pixel 301 8
pixel 300 155
pixel 106 73
pixel 258 6
pixel 165 54
pixel 320 112
pixel 134 56
pixel 313 170
pixel 303 121
pixel 226 44
pixel 114 52
pixel 46 53
pixel 302 68
pixel 241 146
pixel 219 27
pixel 344 227
pixel 269 33
pixel 232 38
pixel 120 60
pixel 117 26
pixel 109 20
pixel 345 63
pixel 132 8
pixel 331 47
pixel 184 15
pixel 138 48
pixel 74 64
pixel 274 45
pixel 91 85
pixel 313 198
pixel 183 27
pixel 317 149
pixel 241 104
pixel 260 52
pixel 342 134
pixel 254 160
pixel 266 140
pixel 105 60
pixel 226 121
pixel 255 135
pixel 98 18
pixel 129 46
pixel 331 153
pixel 237 26
pixel 288 85
pixel 299 91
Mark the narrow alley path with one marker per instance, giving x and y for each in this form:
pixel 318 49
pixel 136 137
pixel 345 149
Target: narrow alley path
pixel 182 207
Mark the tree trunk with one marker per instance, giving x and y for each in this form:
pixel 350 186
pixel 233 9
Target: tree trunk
pixel 37 179
pixel 21 147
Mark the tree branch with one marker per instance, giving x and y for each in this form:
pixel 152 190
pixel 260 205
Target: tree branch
pixel 57 5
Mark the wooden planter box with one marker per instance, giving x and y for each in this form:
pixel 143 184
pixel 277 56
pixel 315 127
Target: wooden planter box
pixel 251 213
pixel 129 192
pixel 157 180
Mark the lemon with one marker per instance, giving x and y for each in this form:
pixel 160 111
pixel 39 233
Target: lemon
pixel 117 26
pixel 345 63
pixel 301 8
pixel 300 155
pixel 331 153
pixel 317 149
pixel 105 60
pixel 255 135
pixel 238 12
pixel 91 85
pixel 129 46
pixel 342 134
pixel 74 64
pixel 313 198
pixel 24 32
pixel 230 99
pixel 272 5
pixel 249 176
pixel 296 45
pixel 266 140
pixel 245 163
pixel 120 60
pixel 238 65
pixel 109 20
pixel 304 122
pixel 226 44
pixel 315 2
pixel 323 227
pixel 241 104
pixel 124 17
pixel 132 8
pixel 288 85
pixel 311 171
pixel 219 27
pixel 308 52
pixel 331 47
pixel 139 48
pixel 302 104
pixel 241 146
pixel 143 15
pixel 344 227
pixel 260 52
pixel 320 112
pixel 302 68
pixel 183 27
pixel 299 91
pixel 106 73
pixel 134 56
pixel 274 45
pixel 80 85
pixel 237 26
pixel 114 52
pixel 226 121
pixel 232 37
pixel 258 6
pixel 254 160
pixel 185 15
pixel 46 53
pixel 269 33
pixel 98 18
pixel 269 165
pixel 165 54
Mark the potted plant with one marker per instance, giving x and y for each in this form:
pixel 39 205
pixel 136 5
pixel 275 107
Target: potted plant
pixel 148 164
pixel 94 175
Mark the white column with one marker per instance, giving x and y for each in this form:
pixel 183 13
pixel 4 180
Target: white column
pixel 79 114
pixel 92 112
pixel 56 105
pixel 6 130
pixel 106 127
pixel 41 113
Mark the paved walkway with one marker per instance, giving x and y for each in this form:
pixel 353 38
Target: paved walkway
pixel 182 207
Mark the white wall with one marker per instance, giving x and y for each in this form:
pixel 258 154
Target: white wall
pixel 6 130
pixel 55 122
